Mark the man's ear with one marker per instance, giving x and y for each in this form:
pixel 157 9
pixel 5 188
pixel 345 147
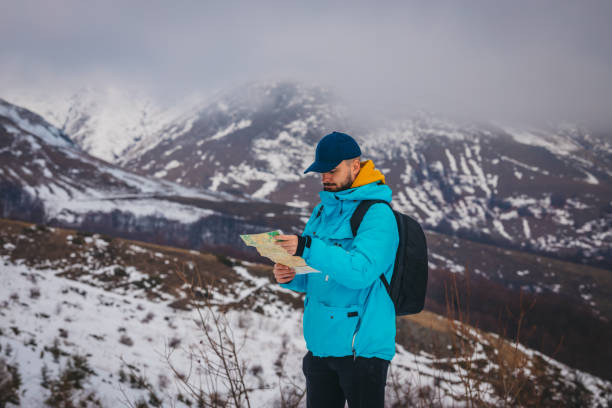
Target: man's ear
pixel 356 165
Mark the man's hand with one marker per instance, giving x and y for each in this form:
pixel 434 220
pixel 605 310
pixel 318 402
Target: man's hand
pixel 283 273
pixel 288 242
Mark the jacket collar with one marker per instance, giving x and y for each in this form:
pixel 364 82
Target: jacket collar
pixel 368 174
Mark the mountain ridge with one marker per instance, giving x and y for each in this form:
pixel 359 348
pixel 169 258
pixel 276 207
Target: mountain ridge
pixel 544 190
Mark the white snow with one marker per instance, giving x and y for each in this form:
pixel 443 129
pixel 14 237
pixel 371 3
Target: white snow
pixel 464 167
pixel 508 215
pixel 84 311
pixel 172 165
pixel 95 320
pixel 72 210
pixel 137 249
pixel 523 272
pixel 448 263
pixel 174 149
pixel 591 179
pixel 526 229
pixel 297 203
pixel 556 143
pixel 244 123
pixel 267 188
pixel 451 160
pixel 106 120
pixel 523 165
pixel 500 228
pixel 49 135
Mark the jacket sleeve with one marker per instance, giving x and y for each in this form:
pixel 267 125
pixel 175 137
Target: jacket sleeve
pixel 298 283
pixel 373 252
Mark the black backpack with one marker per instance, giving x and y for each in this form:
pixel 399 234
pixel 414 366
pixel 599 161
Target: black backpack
pixel 409 280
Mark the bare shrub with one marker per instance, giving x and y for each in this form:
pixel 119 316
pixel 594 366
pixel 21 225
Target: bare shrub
pixel 174 342
pixel 221 379
pixel 10 382
pixel 137 380
pixel 67 389
pixel 148 317
pixel 491 370
pixel 34 293
pixel 509 372
pixel 291 394
pixel 163 381
pixel 126 340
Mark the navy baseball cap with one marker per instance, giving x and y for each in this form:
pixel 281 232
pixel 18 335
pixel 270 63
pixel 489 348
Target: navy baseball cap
pixel 331 150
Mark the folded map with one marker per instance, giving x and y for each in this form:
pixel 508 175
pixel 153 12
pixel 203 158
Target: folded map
pixel 265 243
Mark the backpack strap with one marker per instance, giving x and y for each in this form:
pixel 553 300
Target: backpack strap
pixel 360 212
pixel 383 278
pixel 356 219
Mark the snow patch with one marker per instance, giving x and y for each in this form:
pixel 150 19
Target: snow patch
pixel 245 123
pixel 172 165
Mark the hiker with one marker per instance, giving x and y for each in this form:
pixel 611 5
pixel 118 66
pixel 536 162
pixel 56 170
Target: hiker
pixel 349 318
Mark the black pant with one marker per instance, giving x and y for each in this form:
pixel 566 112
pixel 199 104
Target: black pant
pixel 330 381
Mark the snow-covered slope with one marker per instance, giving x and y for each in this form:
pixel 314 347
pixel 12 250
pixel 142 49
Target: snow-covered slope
pixel 116 313
pixel 44 162
pixel 103 121
pixel 546 190
pixel 45 177
pixel 253 139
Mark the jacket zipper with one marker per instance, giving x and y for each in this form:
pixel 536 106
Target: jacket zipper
pixel 365 304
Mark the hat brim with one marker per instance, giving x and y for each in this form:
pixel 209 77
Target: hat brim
pixel 321 167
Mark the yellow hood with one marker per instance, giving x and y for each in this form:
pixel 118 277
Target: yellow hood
pixel 368 174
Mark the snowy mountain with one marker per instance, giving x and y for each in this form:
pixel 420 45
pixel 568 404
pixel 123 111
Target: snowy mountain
pixel 547 191
pixel 432 166
pixel 482 188
pixel 96 321
pixel 46 177
pixel 542 190
pixel 251 140
pixel 103 121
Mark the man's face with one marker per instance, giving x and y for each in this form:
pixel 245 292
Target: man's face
pixel 341 177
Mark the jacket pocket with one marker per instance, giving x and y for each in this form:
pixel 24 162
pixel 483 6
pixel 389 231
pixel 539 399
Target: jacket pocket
pixel 342 237
pixel 343 231
pixel 329 330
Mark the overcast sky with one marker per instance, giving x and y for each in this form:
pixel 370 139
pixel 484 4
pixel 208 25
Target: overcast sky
pixel 511 60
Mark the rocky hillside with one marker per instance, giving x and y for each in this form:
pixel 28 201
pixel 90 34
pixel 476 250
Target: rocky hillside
pixel 249 141
pixel 519 220
pixel 93 320
pixel 103 121
pixel 60 184
pixel 542 190
pixel 45 177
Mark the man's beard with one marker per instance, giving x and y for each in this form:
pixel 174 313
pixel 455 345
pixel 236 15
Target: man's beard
pixel 344 186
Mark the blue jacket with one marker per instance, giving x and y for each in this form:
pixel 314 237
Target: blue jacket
pixel 348 290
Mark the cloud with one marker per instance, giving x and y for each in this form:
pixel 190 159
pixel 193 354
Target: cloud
pixel 520 60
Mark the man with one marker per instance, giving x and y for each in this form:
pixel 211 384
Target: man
pixel 349 318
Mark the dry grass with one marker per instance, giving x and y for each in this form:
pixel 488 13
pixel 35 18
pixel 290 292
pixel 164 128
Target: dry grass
pixel 449 339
